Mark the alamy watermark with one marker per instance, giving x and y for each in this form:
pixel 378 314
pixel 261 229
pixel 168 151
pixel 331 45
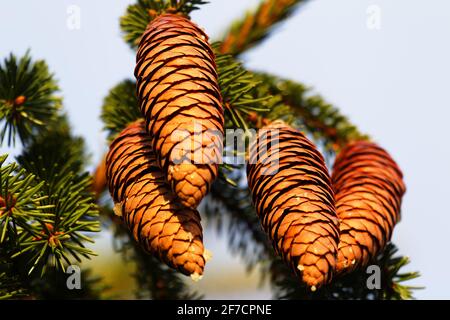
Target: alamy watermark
pixel 73 21
pixel 373 281
pixel 373 20
pixel 73 281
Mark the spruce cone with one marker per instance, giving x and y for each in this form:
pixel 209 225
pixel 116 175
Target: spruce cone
pixel 179 97
pixel 369 187
pixel 294 201
pixel 99 179
pixel 149 208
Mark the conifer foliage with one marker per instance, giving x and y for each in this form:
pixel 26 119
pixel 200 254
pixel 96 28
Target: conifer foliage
pixel 27 97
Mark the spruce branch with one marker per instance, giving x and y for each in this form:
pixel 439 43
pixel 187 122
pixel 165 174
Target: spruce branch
pixel 55 157
pixel 230 210
pixel 120 108
pixel 244 97
pixel 243 94
pixel 391 264
pixel 11 286
pixel 27 97
pixel 256 25
pixel 139 15
pixel 327 125
pixel 20 201
pixel 28 216
pixel 252 99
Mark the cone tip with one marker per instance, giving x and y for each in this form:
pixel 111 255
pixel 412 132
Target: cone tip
pixel 118 209
pixel 196 277
pixel 207 255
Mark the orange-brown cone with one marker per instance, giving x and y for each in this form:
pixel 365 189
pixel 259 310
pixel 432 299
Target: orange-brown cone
pixel 294 201
pixel 149 208
pixel 99 179
pixel 179 97
pixel 369 187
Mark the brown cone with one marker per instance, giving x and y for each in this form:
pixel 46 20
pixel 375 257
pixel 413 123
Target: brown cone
pixel 99 179
pixel 149 208
pixel 180 99
pixel 295 203
pixel 369 187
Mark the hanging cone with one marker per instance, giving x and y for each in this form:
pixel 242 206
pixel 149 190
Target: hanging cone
pixel 99 179
pixel 369 188
pixel 145 202
pixel 293 197
pixel 180 99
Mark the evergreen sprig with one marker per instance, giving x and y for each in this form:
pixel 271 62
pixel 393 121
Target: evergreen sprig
pixel 27 97
pixel 242 93
pixel 393 286
pixel 20 201
pixel 10 285
pixel 120 108
pixel 10 288
pixel 139 15
pixel 55 157
pixel 249 98
pixel 229 208
pixel 327 125
pixel 256 25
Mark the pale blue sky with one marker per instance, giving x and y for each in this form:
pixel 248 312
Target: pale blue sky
pixel 393 83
